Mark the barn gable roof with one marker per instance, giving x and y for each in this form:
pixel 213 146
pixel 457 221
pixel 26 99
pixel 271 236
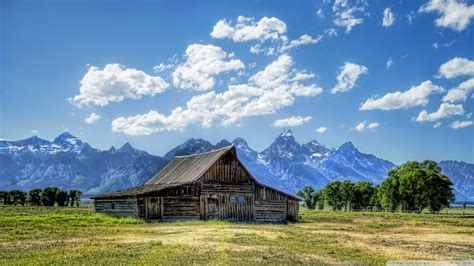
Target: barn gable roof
pixel 181 170
pixel 188 169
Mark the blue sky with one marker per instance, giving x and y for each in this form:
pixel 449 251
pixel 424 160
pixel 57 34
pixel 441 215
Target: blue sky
pixel 393 77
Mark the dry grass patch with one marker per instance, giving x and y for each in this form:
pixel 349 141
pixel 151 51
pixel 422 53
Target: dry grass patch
pixel 41 236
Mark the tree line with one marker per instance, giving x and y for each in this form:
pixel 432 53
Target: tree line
pixel 49 196
pixel 410 187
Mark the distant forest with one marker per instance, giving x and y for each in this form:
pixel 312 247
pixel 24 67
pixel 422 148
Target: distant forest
pixel 49 196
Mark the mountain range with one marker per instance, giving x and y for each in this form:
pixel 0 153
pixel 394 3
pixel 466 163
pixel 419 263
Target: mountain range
pixel 70 163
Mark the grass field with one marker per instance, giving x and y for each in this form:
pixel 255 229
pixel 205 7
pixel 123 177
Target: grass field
pixel 41 235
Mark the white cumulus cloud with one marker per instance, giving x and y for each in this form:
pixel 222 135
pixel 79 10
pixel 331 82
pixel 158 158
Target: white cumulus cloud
pixel 348 75
pixel 454 14
pixel 388 17
pixel 445 110
pixel 292 121
pixel 457 67
pixel 461 124
pixel 438 124
pixel 34 131
pixel 92 118
pixel 302 40
pixel 321 130
pixel 415 96
pixel 114 84
pixel 460 92
pixel 348 14
pixel 366 125
pixel 247 29
pixel 266 92
pixel 203 62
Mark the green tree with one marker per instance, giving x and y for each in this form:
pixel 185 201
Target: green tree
pixel 347 194
pixel 388 192
pixel 74 197
pixel 333 193
pixel 62 197
pixel 413 186
pixel 319 198
pixel 440 193
pixel 307 194
pixel 5 197
pixel 17 197
pixel 413 190
pixel 375 200
pixel 48 197
pixel 361 195
pixel 34 197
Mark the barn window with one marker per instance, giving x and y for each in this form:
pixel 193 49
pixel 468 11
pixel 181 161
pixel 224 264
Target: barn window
pixel 186 190
pixel 240 199
pixel 112 206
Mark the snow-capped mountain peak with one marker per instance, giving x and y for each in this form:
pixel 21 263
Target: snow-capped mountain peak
pixel 286 134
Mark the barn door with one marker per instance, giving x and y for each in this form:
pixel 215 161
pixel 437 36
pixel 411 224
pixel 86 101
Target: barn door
pixel 153 208
pixel 212 208
pixel 238 208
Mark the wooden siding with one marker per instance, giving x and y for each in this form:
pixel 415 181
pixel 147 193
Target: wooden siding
pixel 117 207
pixel 227 191
pixel 141 202
pixel 293 210
pixel 266 193
pixel 226 170
pixel 226 188
pixel 274 206
pixel 180 208
pixel 227 206
pixel 270 211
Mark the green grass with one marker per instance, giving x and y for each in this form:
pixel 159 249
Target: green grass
pixel 58 236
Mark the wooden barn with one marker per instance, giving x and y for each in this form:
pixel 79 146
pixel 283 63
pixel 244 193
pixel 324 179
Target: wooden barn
pixel 211 185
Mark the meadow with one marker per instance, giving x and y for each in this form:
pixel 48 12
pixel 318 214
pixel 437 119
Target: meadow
pixel 58 236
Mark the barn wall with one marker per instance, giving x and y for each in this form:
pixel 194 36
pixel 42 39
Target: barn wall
pixel 176 203
pixel 274 206
pixel 270 210
pixel 227 170
pixel 227 206
pixel 126 207
pixel 227 191
pixel 293 209
pixel 141 207
pixel 180 208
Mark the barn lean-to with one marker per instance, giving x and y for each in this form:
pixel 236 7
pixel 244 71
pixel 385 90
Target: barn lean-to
pixel 205 186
